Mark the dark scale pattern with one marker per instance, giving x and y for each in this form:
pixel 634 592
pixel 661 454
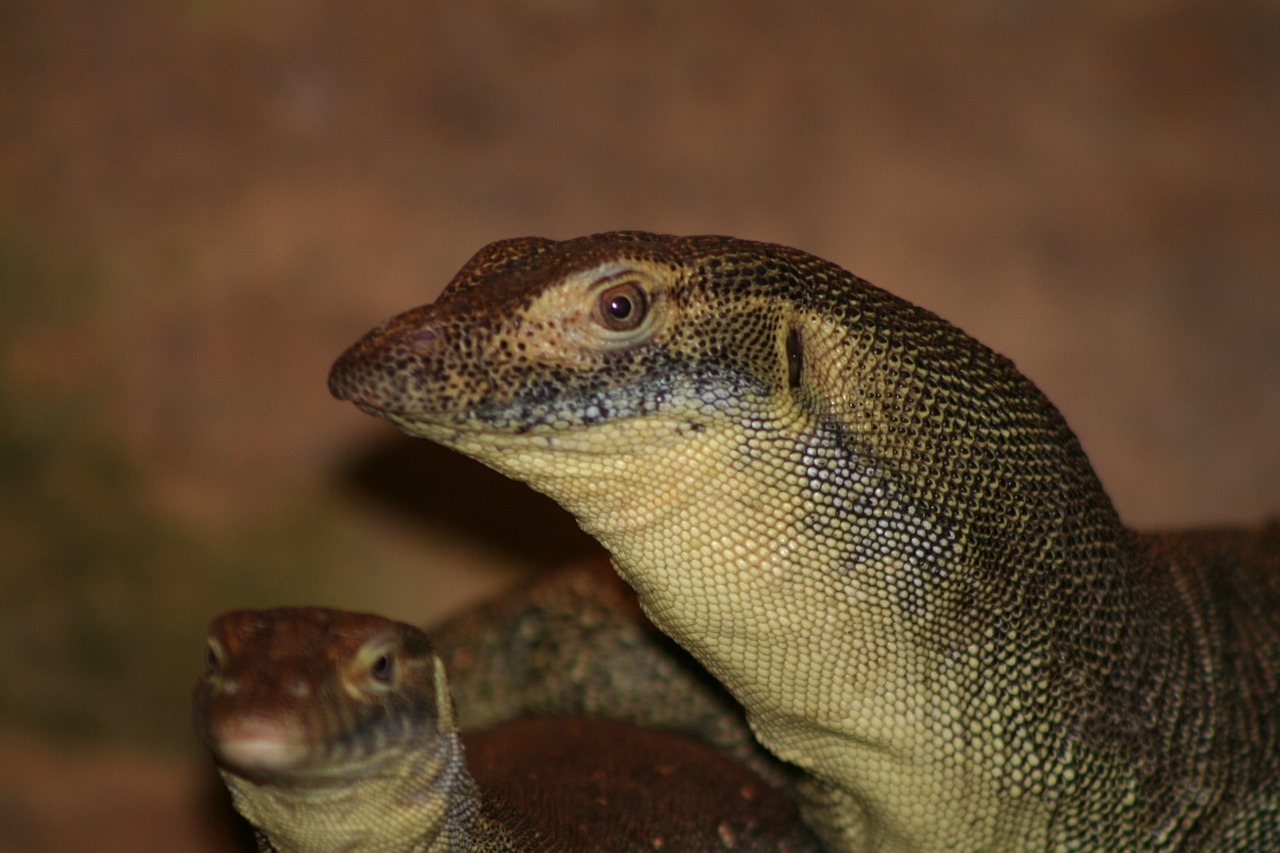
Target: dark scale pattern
pixel 876 532
pixel 335 731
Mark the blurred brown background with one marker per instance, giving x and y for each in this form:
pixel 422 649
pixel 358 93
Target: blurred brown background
pixel 203 202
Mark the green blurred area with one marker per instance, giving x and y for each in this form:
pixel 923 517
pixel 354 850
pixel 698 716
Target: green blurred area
pixel 105 596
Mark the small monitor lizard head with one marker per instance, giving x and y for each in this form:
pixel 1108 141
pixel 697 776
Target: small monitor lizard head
pixel 307 694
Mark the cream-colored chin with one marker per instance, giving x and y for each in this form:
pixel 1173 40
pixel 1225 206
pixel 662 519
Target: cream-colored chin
pixel 261 744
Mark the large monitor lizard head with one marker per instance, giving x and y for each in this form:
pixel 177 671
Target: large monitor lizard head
pixel 630 375
pixel 834 499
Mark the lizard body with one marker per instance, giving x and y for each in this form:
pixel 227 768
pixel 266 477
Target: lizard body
pixel 335 731
pixel 880 536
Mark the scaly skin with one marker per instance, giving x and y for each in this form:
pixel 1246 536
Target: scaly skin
pixel 335 731
pixel 575 643
pixel 882 538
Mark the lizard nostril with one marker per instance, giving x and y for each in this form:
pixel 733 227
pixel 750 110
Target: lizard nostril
pixel 424 339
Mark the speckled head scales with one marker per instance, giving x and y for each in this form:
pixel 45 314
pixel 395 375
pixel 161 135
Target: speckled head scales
pixel 899 383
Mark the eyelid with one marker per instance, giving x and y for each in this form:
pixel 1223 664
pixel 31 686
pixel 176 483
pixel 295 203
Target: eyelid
pixel 212 654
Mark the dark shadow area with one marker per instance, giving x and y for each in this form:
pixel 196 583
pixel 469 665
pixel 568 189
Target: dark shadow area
pixel 223 821
pixel 432 486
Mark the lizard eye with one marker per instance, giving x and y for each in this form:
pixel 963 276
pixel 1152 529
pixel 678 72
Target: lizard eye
pixel 383 669
pixel 622 307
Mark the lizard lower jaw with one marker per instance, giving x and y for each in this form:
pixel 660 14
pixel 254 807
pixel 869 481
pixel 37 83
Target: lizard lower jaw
pixel 260 746
pixel 370 409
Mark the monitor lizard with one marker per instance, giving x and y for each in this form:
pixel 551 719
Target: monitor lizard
pixel 336 731
pixel 879 535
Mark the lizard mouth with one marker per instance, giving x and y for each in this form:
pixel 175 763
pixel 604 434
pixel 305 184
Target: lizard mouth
pixel 261 745
pixel 378 412
pixel 359 378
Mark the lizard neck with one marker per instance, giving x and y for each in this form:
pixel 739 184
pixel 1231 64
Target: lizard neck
pixel 845 636
pixel 418 803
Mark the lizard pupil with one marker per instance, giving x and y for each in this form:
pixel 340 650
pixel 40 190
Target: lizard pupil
pixel 619 307
pixel 382 669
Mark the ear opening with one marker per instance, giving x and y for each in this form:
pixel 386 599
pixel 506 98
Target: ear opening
pixel 795 358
